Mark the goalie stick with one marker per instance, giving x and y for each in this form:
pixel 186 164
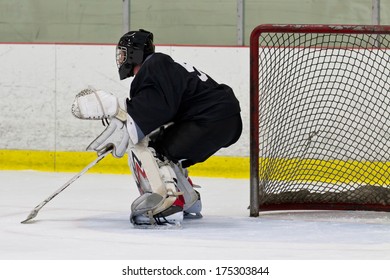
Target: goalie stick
pixel 35 211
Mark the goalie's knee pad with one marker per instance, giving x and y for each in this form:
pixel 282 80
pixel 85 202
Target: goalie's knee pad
pixel 156 182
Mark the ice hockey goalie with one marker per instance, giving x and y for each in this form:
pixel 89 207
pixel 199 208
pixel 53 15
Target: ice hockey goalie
pixel 176 116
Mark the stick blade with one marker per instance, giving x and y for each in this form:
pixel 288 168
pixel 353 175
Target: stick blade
pixel 32 215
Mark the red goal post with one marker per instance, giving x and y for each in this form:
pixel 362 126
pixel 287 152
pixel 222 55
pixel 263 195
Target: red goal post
pixel 319 117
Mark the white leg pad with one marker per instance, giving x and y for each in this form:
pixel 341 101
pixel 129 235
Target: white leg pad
pixel 155 179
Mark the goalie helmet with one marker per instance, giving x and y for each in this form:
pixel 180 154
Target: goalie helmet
pixel 132 49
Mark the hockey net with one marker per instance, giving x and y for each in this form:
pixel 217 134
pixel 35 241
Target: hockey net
pixel 320 117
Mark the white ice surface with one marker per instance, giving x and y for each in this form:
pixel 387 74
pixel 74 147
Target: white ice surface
pixel 89 221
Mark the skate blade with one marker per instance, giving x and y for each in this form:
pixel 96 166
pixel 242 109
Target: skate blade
pixel 159 227
pixel 192 216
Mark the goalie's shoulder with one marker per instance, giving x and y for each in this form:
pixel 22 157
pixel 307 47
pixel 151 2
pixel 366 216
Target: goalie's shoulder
pixel 156 59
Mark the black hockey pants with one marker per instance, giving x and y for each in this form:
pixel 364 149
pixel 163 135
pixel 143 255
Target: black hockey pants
pixel 192 142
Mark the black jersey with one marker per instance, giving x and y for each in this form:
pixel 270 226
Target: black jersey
pixel 165 91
